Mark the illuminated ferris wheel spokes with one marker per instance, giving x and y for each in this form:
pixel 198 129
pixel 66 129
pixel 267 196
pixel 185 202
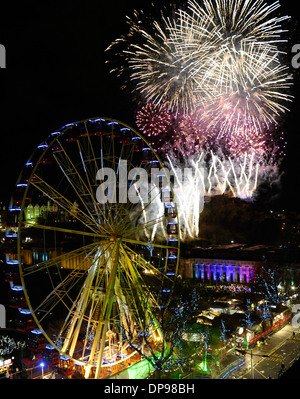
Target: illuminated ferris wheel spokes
pixel 91 215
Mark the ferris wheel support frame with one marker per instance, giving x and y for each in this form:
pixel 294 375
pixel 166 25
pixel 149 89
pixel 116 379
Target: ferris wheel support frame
pixel 106 310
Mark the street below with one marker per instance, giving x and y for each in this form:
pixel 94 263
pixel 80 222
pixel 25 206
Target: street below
pixel 272 358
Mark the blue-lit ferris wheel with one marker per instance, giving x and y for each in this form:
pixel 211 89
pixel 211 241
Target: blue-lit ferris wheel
pixel 85 272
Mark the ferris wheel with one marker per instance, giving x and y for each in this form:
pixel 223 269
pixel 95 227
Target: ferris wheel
pixel 96 246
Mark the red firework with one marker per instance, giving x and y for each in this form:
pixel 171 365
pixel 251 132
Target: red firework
pixel 153 120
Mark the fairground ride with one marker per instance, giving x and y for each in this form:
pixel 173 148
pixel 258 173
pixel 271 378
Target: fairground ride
pixel 91 270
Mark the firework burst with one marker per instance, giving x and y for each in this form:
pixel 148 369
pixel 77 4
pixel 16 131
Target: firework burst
pixel 206 53
pixel 215 89
pixel 236 22
pixel 158 70
pixel 153 120
pixel 251 95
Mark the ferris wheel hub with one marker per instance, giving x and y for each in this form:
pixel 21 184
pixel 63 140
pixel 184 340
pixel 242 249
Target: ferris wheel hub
pixel 115 238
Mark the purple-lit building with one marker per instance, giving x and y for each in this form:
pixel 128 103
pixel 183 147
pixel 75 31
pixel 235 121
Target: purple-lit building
pixel 216 271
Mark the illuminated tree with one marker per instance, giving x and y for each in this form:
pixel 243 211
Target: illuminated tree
pixel 265 311
pixel 223 332
pixel 248 321
pixel 268 282
pixel 8 345
pixel 160 340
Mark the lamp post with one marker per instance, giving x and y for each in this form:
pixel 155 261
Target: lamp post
pixel 252 368
pixel 244 352
pixel 42 365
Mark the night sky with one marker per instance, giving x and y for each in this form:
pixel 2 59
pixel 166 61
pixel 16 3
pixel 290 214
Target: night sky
pixel 56 74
